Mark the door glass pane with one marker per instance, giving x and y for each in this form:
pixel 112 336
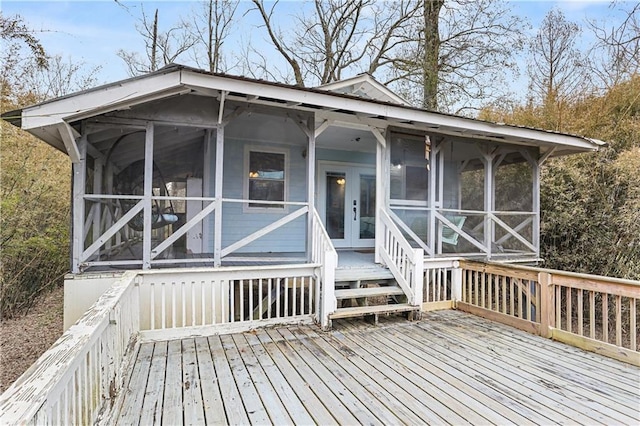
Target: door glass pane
pixel 367 206
pixel 336 184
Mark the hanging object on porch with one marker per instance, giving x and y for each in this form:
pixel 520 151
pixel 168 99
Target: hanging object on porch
pixel 427 151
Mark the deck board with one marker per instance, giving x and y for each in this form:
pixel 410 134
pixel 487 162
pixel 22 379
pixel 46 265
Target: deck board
pixel 450 367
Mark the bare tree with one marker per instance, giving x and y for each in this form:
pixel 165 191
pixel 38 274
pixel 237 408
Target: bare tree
pixel 556 66
pixel 463 52
pixel 212 22
pixel 340 35
pixel 161 47
pixel 616 54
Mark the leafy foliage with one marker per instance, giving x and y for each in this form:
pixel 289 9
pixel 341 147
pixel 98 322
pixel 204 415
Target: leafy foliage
pixel 591 202
pixel 34 225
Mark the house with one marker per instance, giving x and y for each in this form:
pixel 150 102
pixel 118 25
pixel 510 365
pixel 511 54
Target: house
pixel 181 168
pixel 207 203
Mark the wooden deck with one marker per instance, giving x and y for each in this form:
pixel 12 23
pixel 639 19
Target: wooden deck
pixel 450 367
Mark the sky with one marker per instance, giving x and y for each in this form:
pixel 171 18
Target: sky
pixel 94 31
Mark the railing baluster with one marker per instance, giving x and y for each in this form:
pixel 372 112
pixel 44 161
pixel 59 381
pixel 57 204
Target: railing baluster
pixel 241 291
pixel 632 326
pixel 251 307
pixel 558 303
pixel 569 295
pixel 619 320
pixel 605 317
pixel 293 297
pixel 580 313
pixel 173 304
pixel 203 305
pixel 214 286
pixel 260 298
pixel 232 301
pixel 164 306
pixel 592 314
pixel 152 308
pixel 269 304
pixel 193 303
pixel 286 297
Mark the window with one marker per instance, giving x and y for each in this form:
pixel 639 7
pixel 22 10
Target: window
pixel 266 178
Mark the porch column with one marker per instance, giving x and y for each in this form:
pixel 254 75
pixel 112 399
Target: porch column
pixel 206 188
pixel 217 232
pixel 489 201
pixel 434 168
pixel 382 177
pixel 148 192
pixel 98 167
pixel 79 186
pixel 311 181
pixel 536 165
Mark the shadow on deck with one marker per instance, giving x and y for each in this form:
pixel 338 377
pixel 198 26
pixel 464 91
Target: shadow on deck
pixel 451 367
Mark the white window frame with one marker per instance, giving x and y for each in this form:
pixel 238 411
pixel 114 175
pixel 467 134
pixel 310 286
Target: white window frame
pixel 245 178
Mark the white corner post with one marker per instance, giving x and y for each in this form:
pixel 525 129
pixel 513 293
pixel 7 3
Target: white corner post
pixel 148 193
pixel 434 168
pixel 489 202
pixel 456 283
pixel 536 165
pixel 311 182
pixel 79 184
pixel 328 296
pixel 217 231
pixel 382 177
pixel 206 188
pixel 418 276
pixel 98 168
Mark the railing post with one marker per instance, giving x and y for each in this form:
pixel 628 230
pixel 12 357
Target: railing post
pixel 328 290
pixel 418 276
pixel 547 304
pixel 456 283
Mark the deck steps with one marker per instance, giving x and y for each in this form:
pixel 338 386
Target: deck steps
pixel 352 293
pixel 359 311
pixel 372 273
pixel 368 290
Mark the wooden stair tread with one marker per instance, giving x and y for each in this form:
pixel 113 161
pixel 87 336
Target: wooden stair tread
pixel 350 293
pixel 367 310
pixel 363 274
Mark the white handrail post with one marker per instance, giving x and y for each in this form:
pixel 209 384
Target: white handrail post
pixel 418 276
pixel 328 293
pixel 456 283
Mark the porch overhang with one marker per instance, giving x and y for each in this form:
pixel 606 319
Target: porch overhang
pixel 43 120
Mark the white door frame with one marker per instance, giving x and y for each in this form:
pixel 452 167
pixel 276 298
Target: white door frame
pixel 352 173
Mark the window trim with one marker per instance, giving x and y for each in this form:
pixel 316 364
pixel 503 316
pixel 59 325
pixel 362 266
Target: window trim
pixel 248 149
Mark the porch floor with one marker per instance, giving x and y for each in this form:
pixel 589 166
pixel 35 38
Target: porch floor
pixel 450 367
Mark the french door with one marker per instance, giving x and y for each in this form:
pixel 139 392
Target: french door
pixel 347 204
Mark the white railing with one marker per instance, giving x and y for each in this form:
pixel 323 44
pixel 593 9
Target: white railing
pixel 324 254
pixel 405 263
pixel 440 284
pixel 191 302
pixel 71 381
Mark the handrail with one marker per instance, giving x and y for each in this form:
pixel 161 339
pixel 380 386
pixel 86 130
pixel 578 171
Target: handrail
pixel 323 253
pixel 405 263
pixel 70 382
pixel 595 313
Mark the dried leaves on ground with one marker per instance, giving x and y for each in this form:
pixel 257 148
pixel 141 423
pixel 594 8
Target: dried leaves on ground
pixel 24 338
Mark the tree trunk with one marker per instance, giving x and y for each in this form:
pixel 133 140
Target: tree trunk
pixel 154 42
pixel 431 52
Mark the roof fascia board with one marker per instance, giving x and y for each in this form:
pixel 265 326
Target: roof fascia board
pixel 109 98
pixel 466 125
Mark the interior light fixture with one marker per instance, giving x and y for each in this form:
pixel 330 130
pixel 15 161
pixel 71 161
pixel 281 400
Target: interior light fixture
pixel 340 181
pixel 254 174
